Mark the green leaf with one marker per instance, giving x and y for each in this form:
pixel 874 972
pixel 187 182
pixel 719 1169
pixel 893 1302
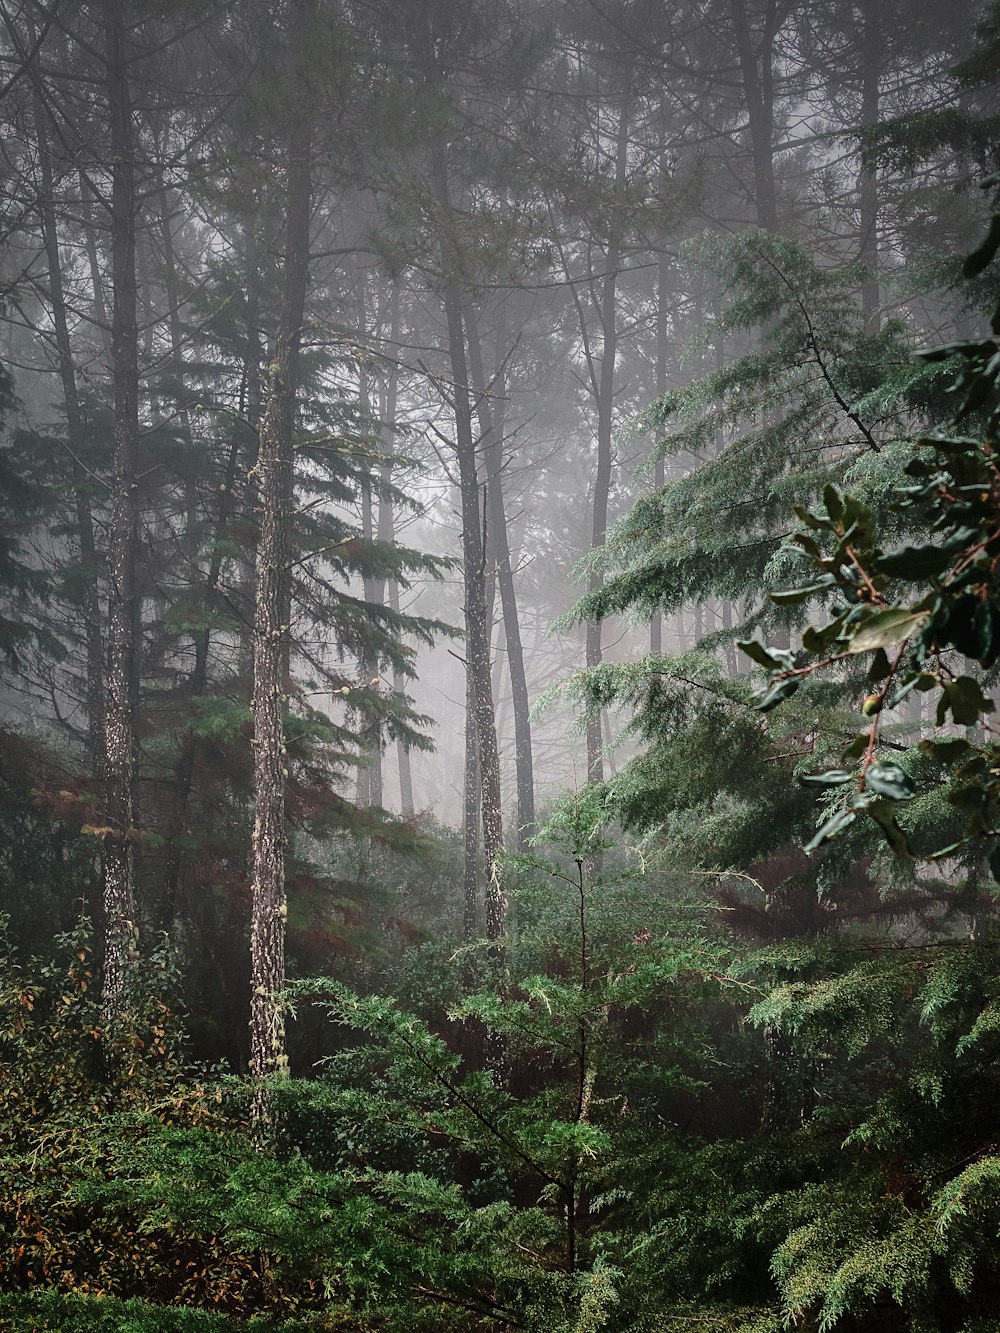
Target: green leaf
pixel 790 596
pixel 810 519
pixel 758 653
pixel 857 746
pixel 943 852
pixel 886 628
pixel 890 781
pixel 882 813
pixel 946 749
pixel 984 252
pixel 912 683
pixel 966 701
pixel 833 502
pixel 779 691
pixel 836 824
pixel 880 667
pixel 914 562
pixel 833 777
pixel 818 640
pixel 987 627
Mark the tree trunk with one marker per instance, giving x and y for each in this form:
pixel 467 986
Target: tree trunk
pixel 659 467
pixel 471 807
pixel 90 606
pixel 491 426
pixel 100 310
pixel 477 629
pixel 123 538
pixel 871 63
pixel 387 531
pixel 272 632
pixel 369 784
pixel 756 70
pixel 605 391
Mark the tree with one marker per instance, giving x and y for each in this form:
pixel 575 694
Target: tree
pixel 910 637
pixel 272 602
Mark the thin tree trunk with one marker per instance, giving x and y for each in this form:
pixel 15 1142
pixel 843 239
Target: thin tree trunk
pixel 471 807
pixel 100 309
pixel 491 425
pixel 123 539
pixel 605 390
pixel 659 467
pixel 254 406
pixel 477 630
pixel 871 63
pixel 756 69
pixel 272 632
pixel 249 406
pixel 387 533
pixel 90 597
pixel 369 784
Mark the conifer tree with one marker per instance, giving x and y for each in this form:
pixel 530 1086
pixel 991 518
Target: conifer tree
pixel 272 601
pixel 123 604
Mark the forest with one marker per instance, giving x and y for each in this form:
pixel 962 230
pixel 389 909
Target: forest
pixel 499 650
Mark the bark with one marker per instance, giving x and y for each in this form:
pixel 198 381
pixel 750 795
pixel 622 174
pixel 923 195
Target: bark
pixel 271 617
pixel 406 807
pixel 756 70
pixel 659 467
pixel 225 509
pixel 253 409
pixel 490 410
pixel 90 604
pixel 172 288
pixel 100 309
pixel 123 538
pixel 871 58
pixel 369 784
pixel 477 629
pixel 387 533
pixel 471 806
pixel 604 391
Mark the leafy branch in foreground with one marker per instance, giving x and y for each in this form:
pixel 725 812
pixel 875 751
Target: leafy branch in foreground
pixel 923 616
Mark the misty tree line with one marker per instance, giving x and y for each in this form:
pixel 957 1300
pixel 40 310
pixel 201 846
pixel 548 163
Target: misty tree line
pixel 411 410
pixel 268 269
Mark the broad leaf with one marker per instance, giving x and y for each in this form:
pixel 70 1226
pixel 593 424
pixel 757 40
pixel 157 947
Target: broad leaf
pixel 890 781
pixel 836 824
pixel 779 691
pixel 886 628
pixel 833 777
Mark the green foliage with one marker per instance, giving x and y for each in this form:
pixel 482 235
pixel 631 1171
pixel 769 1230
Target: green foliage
pixel 922 616
pixel 69 1121
pixel 54 1312
pixel 821 397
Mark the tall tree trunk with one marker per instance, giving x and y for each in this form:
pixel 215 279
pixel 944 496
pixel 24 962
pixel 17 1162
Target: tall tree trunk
pixel 871 66
pixel 477 629
pixel 605 396
pixel 254 410
pixel 249 409
pixel 369 784
pixel 491 413
pixel 757 73
pixel 90 603
pixel 387 530
pixel 123 539
pixel 99 305
pixel 471 818
pixel 272 632
pixel 659 466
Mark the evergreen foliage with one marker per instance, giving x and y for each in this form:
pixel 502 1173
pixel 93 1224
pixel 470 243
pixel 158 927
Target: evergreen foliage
pixel 728 1059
